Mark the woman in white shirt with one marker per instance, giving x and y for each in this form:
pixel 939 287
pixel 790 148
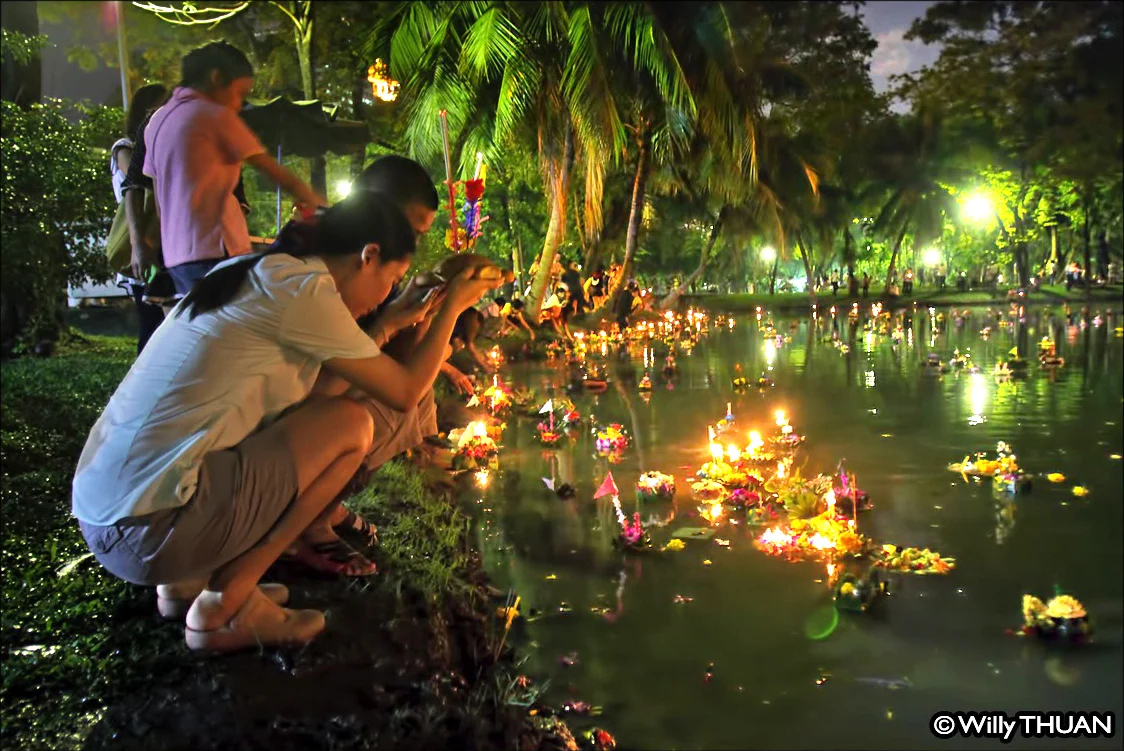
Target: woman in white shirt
pixel 229 441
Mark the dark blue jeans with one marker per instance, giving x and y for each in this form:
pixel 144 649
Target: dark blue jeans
pixel 187 275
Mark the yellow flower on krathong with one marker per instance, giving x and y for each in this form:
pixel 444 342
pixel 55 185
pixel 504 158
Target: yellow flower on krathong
pixel 1080 491
pixel 1055 477
pixel 847 589
pixel 675 544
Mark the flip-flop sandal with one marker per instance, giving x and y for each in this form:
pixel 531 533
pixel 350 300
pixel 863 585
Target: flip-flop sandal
pixel 333 557
pixel 353 522
pixel 259 623
pixel 175 608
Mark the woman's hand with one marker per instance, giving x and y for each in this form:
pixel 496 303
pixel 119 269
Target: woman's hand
pixel 409 310
pixel 463 291
pixel 460 381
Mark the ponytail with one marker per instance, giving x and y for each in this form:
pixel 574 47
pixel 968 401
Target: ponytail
pixel 348 227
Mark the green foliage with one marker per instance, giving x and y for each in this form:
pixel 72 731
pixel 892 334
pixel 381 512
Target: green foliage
pixel 58 206
pixel 21 47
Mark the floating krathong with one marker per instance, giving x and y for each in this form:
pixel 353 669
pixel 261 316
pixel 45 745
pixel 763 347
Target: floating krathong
pixel 612 439
pixel 913 560
pixel 645 383
pixel 497 397
pixel 548 436
pixel 653 486
pixel 819 537
pixel 475 449
pixel 857 595
pixel 709 491
pixel 1063 618
pixel 1004 464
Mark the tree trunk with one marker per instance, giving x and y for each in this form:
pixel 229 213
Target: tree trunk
pixel 358 112
pixel 849 252
pixel 1086 233
pixel 559 189
pixel 810 285
pixel 636 212
pixel 22 84
pixel 773 278
pixel 894 258
pixel 672 299
pixel 302 35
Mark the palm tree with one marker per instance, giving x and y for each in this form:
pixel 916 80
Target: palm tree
pixel 503 70
pixel 912 170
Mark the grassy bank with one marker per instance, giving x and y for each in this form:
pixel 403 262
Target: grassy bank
pixel 408 659
pixel 1054 293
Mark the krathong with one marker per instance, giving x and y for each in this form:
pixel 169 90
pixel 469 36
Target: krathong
pixel 1063 618
pixel 655 486
pixel 819 537
pixel 913 560
pixel 1005 463
pixel 475 450
pixel 613 439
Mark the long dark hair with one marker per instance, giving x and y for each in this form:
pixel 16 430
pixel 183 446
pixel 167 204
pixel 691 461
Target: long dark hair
pixel 360 219
pixel 145 99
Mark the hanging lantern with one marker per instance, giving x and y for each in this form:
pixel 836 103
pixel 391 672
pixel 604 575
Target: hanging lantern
pixel 383 87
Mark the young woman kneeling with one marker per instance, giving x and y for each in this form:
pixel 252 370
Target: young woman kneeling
pixel 210 461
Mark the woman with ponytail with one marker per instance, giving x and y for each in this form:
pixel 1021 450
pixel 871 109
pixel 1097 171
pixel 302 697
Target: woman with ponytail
pixel 229 441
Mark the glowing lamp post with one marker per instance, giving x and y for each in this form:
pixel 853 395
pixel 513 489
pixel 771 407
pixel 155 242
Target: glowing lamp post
pixel 769 255
pixel 932 257
pixel 383 87
pixel 978 208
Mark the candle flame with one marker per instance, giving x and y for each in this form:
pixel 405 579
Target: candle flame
pixel 819 542
pixel 482 478
pixel 780 470
pixel 830 498
pixel 733 453
pixel 716 451
pixel 773 536
pixel 781 421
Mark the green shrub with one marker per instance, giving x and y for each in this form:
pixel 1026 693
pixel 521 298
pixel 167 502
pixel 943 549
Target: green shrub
pixel 57 208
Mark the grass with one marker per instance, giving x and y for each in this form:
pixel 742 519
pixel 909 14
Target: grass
pixel 1055 293
pixel 88 665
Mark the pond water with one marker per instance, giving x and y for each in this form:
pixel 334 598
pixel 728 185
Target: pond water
pixel 756 657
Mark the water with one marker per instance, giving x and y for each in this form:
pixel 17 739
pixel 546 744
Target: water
pixel 785 673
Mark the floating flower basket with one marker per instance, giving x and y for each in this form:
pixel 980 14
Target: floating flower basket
pixel 1061 619
pixel 655 486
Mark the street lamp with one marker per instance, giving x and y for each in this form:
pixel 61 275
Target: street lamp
pixel 768 254
pixel 932 257
pixel 978 208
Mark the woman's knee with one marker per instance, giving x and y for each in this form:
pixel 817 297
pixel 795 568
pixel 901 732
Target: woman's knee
pixel 357 423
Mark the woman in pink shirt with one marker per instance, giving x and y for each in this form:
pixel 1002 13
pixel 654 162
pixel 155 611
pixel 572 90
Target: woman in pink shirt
pixel 196 146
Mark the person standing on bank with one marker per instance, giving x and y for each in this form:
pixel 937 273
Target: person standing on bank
pixel 195 147
pixel 145 101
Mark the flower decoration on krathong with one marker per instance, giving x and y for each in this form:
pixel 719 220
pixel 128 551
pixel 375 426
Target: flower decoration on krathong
pixel 1005 463
pixel 495 431
pixel 819 537
pixel 740 498
pixel 475 450
pixel 645 383
pixel 1062 618
pixel 613 439
pixel 913 560
pixel 709 491
pixel 473 193
pixel 572 418
pixel 548 436
pixel 497 396
pixel 655 486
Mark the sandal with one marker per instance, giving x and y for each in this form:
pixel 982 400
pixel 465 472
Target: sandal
pixel 174 608
pixel 333 557
pixel 259 622
pixel 353 522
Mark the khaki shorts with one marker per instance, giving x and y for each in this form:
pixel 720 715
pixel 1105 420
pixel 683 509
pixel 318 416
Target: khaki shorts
pixel 242 492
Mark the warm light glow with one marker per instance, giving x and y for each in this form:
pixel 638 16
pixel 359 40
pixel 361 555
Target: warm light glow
pixel 819 542
pixel 932 257
pixel 978 392
pixel 830 498
pixel 482 478
pixel 755 442
pixel 768 254
pixel 770 351
pixel 733 453
pixel 343 187
pixel 717 452
pixel 773 536
pixel 978 208
pixel 781 420
pixel 383 87
pixel 830 570
pixel 780 470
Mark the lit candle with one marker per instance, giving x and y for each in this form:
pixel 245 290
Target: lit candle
pixel 830 498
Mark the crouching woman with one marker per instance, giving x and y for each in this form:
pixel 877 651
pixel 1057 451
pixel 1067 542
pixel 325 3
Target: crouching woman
pixel 209 462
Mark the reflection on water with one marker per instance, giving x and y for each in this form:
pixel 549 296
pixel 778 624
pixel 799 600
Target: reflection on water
pixel 721 646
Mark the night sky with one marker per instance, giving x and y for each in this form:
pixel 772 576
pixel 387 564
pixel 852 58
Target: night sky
pixel 888 22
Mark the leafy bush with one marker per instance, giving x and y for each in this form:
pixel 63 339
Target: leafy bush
pixel 57 208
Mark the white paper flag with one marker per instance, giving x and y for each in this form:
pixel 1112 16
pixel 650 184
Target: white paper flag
pixel 547 408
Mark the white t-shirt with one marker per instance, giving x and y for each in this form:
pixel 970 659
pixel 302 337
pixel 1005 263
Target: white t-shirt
pixel 206 384
pixel 114 170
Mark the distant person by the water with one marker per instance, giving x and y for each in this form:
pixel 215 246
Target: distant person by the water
pixel 866 285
